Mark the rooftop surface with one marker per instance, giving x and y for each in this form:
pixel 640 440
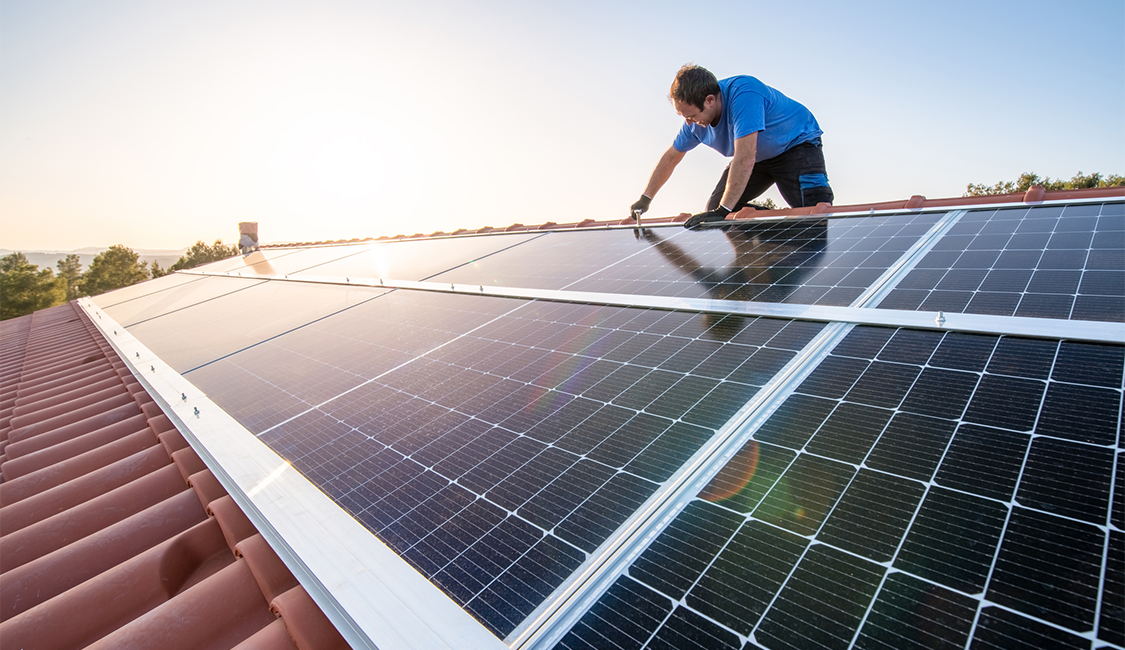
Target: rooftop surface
pixel 114 532
pixel 895 425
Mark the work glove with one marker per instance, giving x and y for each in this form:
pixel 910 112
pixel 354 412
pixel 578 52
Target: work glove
pixel 640 207
pixel 718 214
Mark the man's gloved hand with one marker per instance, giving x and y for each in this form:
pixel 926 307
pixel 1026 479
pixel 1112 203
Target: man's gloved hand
pixel 640 207
pixel 718 214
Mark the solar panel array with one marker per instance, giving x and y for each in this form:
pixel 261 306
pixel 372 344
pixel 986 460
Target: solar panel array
pixel 915 489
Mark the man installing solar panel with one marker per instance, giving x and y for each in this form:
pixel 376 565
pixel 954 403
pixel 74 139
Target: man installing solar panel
pixel 771 138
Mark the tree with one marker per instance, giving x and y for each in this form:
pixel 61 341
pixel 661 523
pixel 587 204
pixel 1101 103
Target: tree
pixel 70 272
pixel 24 288
pixel 1027 179
pixel 117 266
pixel 201 253
pixel 157 271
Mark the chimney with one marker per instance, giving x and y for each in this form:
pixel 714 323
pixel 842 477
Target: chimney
pixel 247 237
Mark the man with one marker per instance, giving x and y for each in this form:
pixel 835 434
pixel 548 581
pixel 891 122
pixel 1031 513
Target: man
pixel 771 138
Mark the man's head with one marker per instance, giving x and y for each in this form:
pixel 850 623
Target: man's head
pixel 696 95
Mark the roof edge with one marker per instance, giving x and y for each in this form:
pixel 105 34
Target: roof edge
pixel 1034 196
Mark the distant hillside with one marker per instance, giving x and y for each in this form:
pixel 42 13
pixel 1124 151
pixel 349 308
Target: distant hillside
pixel 48 259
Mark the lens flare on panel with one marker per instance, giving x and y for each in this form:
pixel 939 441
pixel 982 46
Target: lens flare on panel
pixel 735 477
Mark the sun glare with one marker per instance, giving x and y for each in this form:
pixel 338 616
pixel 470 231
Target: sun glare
pixel 335 156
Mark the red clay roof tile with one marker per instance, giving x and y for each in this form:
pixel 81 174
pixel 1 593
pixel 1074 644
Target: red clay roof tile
pixel 113 533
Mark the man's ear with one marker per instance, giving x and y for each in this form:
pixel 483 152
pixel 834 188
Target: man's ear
pixel 709 101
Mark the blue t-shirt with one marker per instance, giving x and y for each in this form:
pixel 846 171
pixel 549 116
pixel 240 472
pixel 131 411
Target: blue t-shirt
pixel 750 106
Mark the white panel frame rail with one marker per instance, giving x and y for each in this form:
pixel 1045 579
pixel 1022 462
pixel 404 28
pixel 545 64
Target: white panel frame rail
pixel 1077 330
pixel 373 597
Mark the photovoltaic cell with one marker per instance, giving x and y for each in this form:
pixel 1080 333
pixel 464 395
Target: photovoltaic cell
pixel 1113 590
pixel 873 514
pixel 740 585
pixel 1000 629
pixel 912 614
pixel 625 618
pixel 953 540
pixel 677 558
pixel 822 602
pixel 1048 567
pixel 685 629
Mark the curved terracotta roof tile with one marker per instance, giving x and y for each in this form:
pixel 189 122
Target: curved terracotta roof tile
pixel 207 487
pixel 117 424
pixel 28 484
pixel 235 524
pixel 65 528
pixel 272 637
pixel 220 611
pixel 307 626
pixel 78 489
pixel 271 573
pixel 51 574
pixel 113 532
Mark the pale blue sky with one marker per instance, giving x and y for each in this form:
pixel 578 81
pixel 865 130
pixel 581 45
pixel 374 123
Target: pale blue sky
pixel 155 124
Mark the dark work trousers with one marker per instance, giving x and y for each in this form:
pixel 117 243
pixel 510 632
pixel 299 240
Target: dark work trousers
pixel 799 173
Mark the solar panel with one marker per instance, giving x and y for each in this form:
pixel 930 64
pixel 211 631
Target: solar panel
pixel 813 261
pixel 1041 262
pixel 281 261
pixel 590 475
pixel 249 263
pixel 140 308
pixel 164 283
pixel 225 315
pixel 874 505
pixel 416 259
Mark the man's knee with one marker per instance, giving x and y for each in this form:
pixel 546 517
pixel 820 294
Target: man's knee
pixel 815 189
pixel 814 195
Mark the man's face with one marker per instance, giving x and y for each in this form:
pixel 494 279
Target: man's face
pixel 692 114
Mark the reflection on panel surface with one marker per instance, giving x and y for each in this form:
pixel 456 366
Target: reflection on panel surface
pixel 929 471
pixel 1042 262
pixel 518 441
pixel 259 262
pixel 823 262
pixel 167 283
pixel 417 259
pixel 186 294
pixel 238 313
pixel 302 259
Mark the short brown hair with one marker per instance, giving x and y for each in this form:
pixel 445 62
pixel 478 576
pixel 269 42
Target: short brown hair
pixel 692 85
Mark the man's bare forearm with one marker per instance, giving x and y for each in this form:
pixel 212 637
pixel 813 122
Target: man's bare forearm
pixel 745 150
pixel 663 171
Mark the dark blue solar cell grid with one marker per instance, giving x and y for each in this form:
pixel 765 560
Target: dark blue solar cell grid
pixel 910 478
pixel 493 443
pixel 823 262
pixel 1043 262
